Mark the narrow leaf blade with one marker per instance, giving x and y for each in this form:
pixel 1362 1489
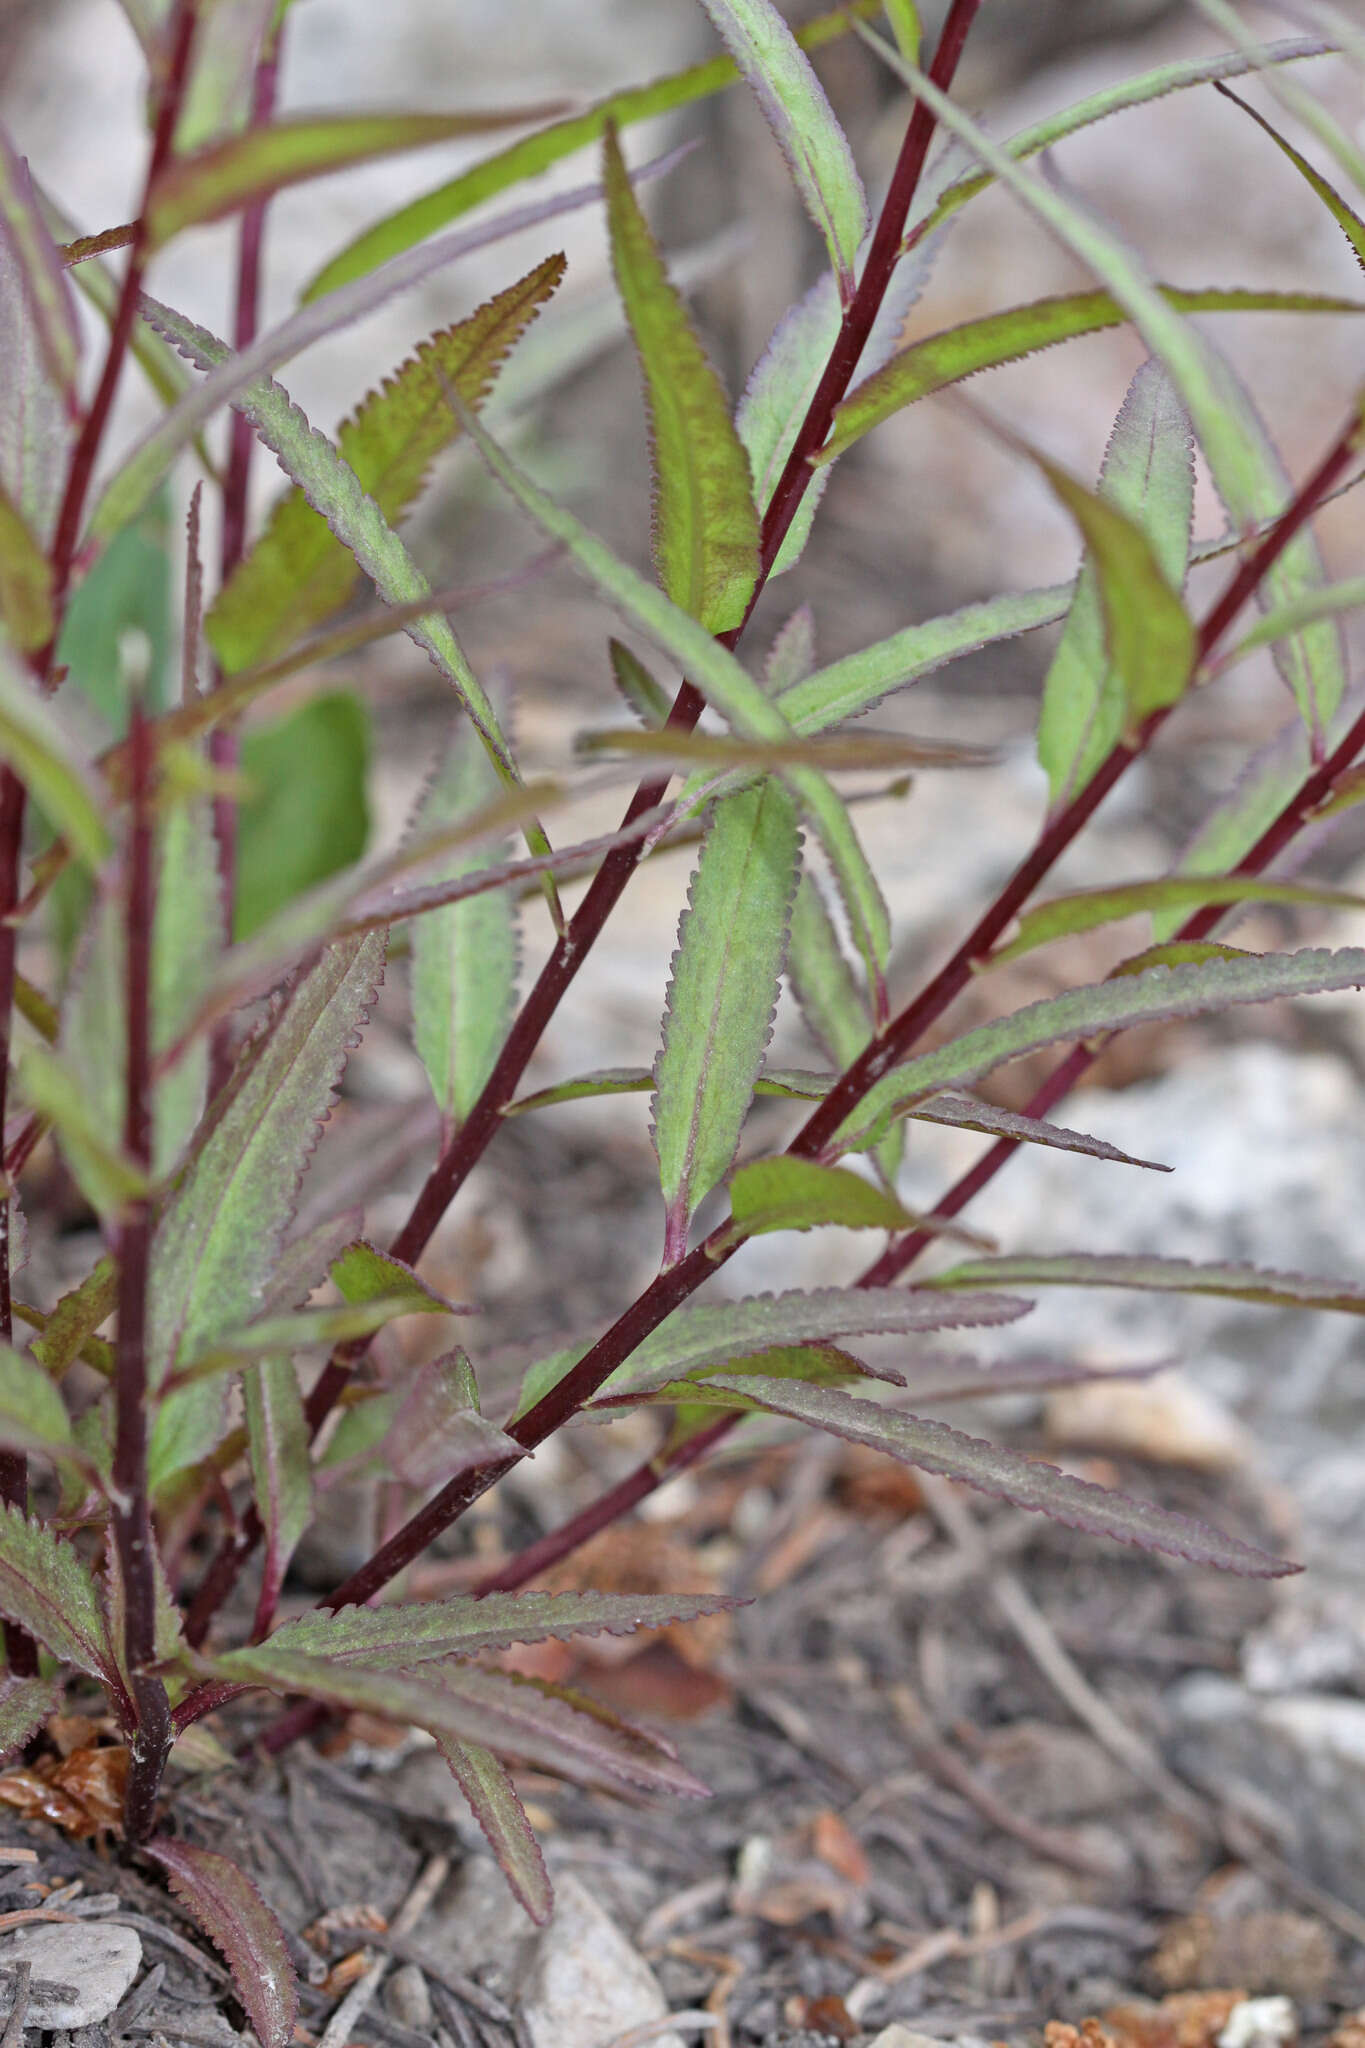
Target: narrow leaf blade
pixel 492 1799
pixel 238 1922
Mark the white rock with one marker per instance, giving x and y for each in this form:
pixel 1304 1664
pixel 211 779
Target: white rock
pixel 1260 2023
pixel 584 1983
pixel 1167 1420
pixel 99 1961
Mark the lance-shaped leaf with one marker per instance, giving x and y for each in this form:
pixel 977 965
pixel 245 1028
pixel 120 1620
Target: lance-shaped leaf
pixel 1245 468
pixel 34 267
pixel 361 1272
pixel 1157 1276
pixel 465 956
pixel 1345 216
pixel 801 118
pixel 983 344
pixel 437 1429
pixel 105 1174
pixel 705 525
pixel 221 1232
pixel 722 996
pixel 1089 909
pixel 298 573
pixel 800 1194
pixel 296 1332
pixel 226 176
pixel 965 1113
pixel 25 581
pixel 25 1704
pixel 1336 138
pixel 36 427
pixel 281 1476
pixel 512 1717
pixel 695 1340
pixel 33 1415
pixel 1008 1475
pixel 242 1927
pixel 1327 603
pixel 402 1635
pixel 861 680
pixel 1113 99
pixel 492 1799
pixel 1148 474
pixel 532 154
pixel 66 1333
pixel 48 1589
pixel 1156 996
pixel 230 39
pixel 333 489
pixel 51 764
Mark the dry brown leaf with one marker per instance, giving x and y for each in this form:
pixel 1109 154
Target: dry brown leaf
pixel 643 1558
pixel 1184 2019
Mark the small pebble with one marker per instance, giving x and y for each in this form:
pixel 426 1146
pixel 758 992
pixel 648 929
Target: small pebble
pixel 96 1960
pixel 1260 2023
pixel 408 1999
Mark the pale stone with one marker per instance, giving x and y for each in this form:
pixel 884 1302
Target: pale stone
pixel 584 1983
pixel 1167 1420
pixel 95 1961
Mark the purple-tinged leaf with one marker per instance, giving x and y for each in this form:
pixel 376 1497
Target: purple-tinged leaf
pixel 404 1634
pixel 722 996
pixel 281 1474
pixel 1008 1475
pixel 25 581
pixel 795 108
pixel 242 1927
pixel 697 1339
pixel 1158 1276
pixel 148 461
pixel 1090 909
pixel 1156 996
pixel 25 1704
pixel 220 1234
pixel 437 1429
pixel 32 266
pixel 493 1801
pixel 49 1590
pixel 965 1113
pixel 305 1261
pixel 493 1709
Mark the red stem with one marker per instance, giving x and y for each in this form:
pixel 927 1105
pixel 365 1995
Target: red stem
pixel 224 746
pixel 132 1520
pixel 572 948
pixel 21 1655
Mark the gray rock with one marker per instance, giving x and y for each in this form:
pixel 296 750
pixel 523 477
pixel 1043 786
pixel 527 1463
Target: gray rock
pixel 584 1983
pixel 94 1963
pixel 408 1999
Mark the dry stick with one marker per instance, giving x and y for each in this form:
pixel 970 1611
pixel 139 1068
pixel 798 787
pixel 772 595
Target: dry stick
pixel 339 2027
pixel 572 947
pixel 131 1507
pixel 224 746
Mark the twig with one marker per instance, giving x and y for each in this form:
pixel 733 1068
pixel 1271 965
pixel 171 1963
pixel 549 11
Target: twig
pixel 18 2012
pixel 338 2029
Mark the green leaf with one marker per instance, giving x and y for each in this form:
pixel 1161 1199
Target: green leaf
pixel 33 1416
pixel 835 1006
pixel 363 1273
pixel 281 1475
pixel 1346 217
pixel 25 1704
pixel 532 154
pixel 492 1799
pixel 791 656
pixel 238 1922
pixel 226 176
pixel 705 525
pixel 1156 996
pixel 25 581
pixel 1148 473
pixel 65 1335
pixel 55 769
pixel 48 1589
pixel 1008 1475
pixel 1246 470
pixel 983 344
pixel 1331 133
pixel 106 1176
pixel 798 1194
pixel 32 267
pixel 1156 1276
pixel 1089 909
pixel 280 1334
pixel 906 27
pixel 696 1340
pixel 646 698
pixel 465 956
pixel 231 37
pixel 220 1234
pixel 1286 619
pixel 794 105
pixel 491 1709
pixel 402 1635
pixel 846 688
pixel 118 622
pixel 1113 99
pixel 965 1113
pixel 332 488
pixel 722 995
pixel 298 573
pixel 306 812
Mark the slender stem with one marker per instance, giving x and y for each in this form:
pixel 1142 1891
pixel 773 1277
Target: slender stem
pixel 132 1518
pixel 88 441
pixel 224 744
pixel 672 1287
pixel 571 949
pixel 21 1654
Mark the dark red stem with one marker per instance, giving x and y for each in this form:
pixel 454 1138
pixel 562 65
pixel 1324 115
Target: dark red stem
pixel 21 1656
pixel 132 1519
pixel 224 745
